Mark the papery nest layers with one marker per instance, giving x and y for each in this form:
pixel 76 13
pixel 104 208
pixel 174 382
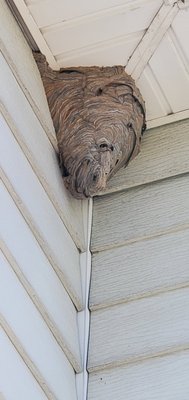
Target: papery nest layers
pixel 99 117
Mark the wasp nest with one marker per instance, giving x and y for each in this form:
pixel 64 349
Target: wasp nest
pixel 99 117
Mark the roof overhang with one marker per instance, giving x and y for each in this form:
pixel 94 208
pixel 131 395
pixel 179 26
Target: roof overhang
pixel 149 37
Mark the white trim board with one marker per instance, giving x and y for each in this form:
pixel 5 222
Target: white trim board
pixel 151 40
pixel 35 32
pixel 168 119
pixel 84 316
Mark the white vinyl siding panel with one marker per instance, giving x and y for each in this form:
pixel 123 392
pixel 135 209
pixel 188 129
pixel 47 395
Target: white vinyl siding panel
pixel 26 97
pixel 16 381
pixel 140 213
pixel 43 230
pixel 164 153
pixel 39 212
pixel 140 269
pixel 39 279
pixel 19 57
pixel 139 297
pixel 164 378
pixel 42 156
pixel 37 342
pixel 140 329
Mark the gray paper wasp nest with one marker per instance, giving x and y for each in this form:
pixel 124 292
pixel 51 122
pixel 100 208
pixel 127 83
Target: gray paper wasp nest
pixel 99 117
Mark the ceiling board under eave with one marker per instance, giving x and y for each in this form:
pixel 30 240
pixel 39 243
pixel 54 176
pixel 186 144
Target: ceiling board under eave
pixel 164 82
pixel 107 32
pixel 102 53
pixel 70 10
pixel 92 30
pixel 77 30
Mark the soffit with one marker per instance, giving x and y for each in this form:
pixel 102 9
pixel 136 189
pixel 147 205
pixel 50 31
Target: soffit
pixel 149 37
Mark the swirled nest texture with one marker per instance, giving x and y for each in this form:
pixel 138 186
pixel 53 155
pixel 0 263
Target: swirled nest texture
pixel 99 117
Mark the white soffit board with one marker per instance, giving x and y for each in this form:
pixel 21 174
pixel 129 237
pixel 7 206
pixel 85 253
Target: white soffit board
pixel 148 36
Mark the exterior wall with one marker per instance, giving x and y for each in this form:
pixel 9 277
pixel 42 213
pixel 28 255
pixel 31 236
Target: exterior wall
pixel 139 297
pixel 44 254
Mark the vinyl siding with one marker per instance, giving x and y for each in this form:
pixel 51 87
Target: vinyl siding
pixel 26 97
pixel 43 234
pixel 139 297
pixel 164 378
pixel 164 154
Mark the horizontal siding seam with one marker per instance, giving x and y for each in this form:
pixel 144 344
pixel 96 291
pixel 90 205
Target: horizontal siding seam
pixel 41 308
pixel 113 190
pixel 97 307
pixel 36 169
pixel 135 360
pixel 42 243
pixel 29 363
pixel 148 166
pixel 140 362
pixel 144 239
pixel 175 229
